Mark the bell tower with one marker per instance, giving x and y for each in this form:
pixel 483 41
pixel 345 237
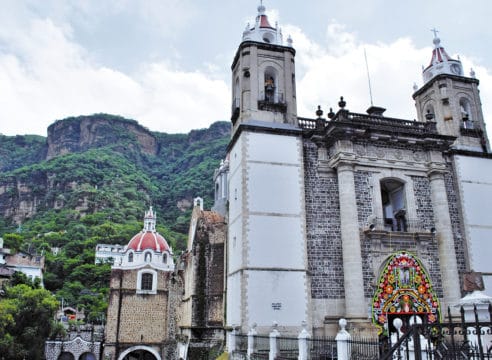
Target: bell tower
pixel 452 101
pixel 263 76
pixel 267 277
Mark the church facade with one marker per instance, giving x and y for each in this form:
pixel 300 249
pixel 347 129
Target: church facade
pixel 346 215
pixel 353 215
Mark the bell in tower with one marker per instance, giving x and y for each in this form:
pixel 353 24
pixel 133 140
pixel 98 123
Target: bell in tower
pixel 263 76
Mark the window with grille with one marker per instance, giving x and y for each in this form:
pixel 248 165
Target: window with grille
pixel 147 280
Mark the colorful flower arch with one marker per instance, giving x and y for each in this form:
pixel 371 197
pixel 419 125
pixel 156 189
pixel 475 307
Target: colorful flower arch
pixel 404 288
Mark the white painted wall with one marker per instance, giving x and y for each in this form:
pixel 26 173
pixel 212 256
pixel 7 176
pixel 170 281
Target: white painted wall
pixel 276 296
pixel 233 296
pixel 475 179
pixel 275 241
pixel 266 234
pixel 235 246
pixel 274 188
pixel 273 148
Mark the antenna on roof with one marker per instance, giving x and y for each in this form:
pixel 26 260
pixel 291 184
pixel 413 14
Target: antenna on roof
pixel 368 77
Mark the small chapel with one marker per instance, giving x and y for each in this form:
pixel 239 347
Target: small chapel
pixel 144 298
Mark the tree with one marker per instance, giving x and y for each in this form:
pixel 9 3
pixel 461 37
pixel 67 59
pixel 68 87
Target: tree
pixel 26 320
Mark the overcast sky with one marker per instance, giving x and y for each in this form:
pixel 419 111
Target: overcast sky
pixel 166 63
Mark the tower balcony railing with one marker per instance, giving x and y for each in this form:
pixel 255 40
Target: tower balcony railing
pixel 401 225
pixel 471 131
pixel 274 102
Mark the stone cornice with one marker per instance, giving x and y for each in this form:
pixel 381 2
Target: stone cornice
pixel 444 77
pixel 266 128
pixel 262 46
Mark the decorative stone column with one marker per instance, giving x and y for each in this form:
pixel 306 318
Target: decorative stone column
pixel 445 240
pixel 355 305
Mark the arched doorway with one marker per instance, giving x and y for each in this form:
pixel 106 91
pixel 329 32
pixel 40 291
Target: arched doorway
pixel 87 356
pixel 66 356
pixel 404 290
pixel 140 353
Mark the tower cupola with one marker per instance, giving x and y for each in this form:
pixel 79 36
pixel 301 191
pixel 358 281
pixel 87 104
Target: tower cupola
pixel 441 62
pixel 263 31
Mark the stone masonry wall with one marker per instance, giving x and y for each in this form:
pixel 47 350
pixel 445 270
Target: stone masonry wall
pixel 324 246
pixel 422 193
pixel 364 198
pixel 456 223
pixel 143 317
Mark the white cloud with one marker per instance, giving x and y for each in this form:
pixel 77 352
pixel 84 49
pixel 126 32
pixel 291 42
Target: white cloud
pixel 45 76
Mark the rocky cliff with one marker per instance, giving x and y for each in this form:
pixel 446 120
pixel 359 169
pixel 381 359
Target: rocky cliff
pixel 81 133
pixel 103 162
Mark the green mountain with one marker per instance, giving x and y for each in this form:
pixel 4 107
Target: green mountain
pixel 90 182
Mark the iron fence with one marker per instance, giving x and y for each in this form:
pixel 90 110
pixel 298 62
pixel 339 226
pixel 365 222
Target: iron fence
pixel 458 338
pixel 450 340
pixel 322 348
pixel 261 348
pixel 364 349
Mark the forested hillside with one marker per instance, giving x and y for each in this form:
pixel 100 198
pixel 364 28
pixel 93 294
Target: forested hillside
pixel 90 182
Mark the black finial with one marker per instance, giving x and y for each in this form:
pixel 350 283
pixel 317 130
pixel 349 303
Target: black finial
pixel 342 102
pixel 331 114
pixel 319 112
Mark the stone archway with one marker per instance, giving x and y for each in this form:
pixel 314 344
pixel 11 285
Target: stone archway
pixel 140 353
pixel 87 356
pixel 66 356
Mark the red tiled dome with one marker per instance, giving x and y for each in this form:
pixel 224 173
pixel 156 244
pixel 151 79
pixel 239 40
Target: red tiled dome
pixel 148 240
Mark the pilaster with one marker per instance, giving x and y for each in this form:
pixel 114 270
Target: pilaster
pixel 355 306
pixel 445 240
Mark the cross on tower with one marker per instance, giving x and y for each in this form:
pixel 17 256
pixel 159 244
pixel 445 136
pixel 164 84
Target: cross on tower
pixel 434 30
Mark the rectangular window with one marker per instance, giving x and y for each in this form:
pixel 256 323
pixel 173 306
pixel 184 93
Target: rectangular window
pixel 147 280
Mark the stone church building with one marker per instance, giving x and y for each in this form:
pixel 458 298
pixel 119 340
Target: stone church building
pixel 353 215
pixel 347 215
